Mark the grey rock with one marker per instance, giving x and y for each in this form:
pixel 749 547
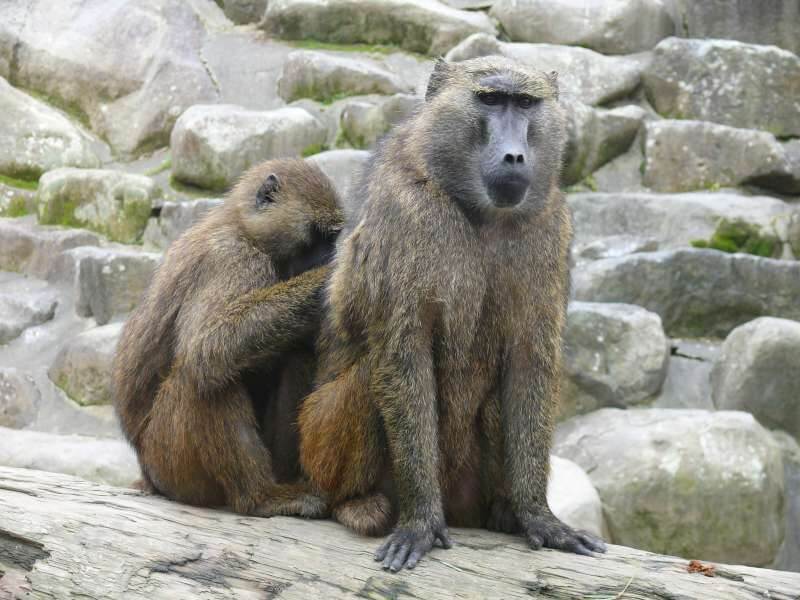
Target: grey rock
pixel 19 398
pixel 83 366
pixel 345 168
pixel 774 22
pixel 613 247
pixel 695 292
pixel 35 138
pixel 470 4
pixel 788 558
pixel 614 355
pixel 326 75
pixel 726 82
pixel 622 174
pixel 671 220
pixel 109 282
pixel 33 249
pixel 610 27
pixel 573 499
pixel 174 219
pixel 758 371
pixel 364 121
pixel 128 70
pixel 245 66
pixel 244 11
pixel 688 381
pixel 424 26
pixel 16 201
pixel 212 146
pixel 595 136
pixel 113 203
pixel 691 155
pixel 24 303
pixel 107 461
pixel 583 74
pixel 692 483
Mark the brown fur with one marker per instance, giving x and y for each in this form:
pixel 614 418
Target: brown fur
pixel 441 348
pixel 212 364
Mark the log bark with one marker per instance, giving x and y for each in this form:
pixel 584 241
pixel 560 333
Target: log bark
pixel 62 537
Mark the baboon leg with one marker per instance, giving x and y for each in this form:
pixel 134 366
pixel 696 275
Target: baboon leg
pixel 498 512
pixel 343 451
pixel 366 515
pixel 207 451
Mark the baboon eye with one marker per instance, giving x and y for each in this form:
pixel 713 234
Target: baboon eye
pixel 490 98
pixel 526 101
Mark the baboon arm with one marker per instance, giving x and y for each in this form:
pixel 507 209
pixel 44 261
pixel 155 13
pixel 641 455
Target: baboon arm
pixel 251 328
pixel 404 389
pixel 529 394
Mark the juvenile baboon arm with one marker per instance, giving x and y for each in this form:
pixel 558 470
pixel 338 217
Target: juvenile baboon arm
pixel 252 328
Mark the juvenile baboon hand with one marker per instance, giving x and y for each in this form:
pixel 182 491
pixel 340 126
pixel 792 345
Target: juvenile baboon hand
pixel 544 529
pixel 407 544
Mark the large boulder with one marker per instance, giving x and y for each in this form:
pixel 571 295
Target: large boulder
pixel 175 218
pixel 83 366
pixel 113 203
pixel 693 155
pixel 595 136
pixel 727 82
pixel 33 249
pixel 774 22
pixel 107 461
pixel 24 303
pixel 19 398
pixel 758 371
pixel 108 282
pixel 583 74
pixel 572 497
pixel 615 27
pixel 672 220
pixel 212 146
pixel 35 138
pixel 693 483
pixel 424 26
pixel 695 292
pixel 128 69
pixel 688 381
pixel 788 558
pixel 243 11
pixel 614 355
pixel 324 76
pixel 364 121
pixel 345 168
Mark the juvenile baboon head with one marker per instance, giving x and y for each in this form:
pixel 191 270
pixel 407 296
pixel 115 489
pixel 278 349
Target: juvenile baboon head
pixel 495 134
pixel 287 205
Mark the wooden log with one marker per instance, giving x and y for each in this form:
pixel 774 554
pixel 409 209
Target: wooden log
pixel 62 537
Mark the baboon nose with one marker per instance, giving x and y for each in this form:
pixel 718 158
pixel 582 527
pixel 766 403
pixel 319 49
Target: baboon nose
pixel 514 158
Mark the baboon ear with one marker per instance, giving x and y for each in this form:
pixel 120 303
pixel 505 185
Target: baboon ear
pixel 266 193
pixel 441 72
pixel 552 77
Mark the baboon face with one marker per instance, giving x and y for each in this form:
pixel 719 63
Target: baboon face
pixel 289 207
pixel 497 134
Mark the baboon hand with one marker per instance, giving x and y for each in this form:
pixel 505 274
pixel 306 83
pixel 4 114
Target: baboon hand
pixel 407 544
pixel 544 529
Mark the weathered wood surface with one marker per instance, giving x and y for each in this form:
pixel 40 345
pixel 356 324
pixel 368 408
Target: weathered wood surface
pixel 62 537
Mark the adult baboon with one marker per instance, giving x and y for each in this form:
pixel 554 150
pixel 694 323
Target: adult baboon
pixel 441 349
pixel 212 364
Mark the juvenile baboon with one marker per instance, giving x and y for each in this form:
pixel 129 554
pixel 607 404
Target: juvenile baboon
pixel 211 366
pixel 440 351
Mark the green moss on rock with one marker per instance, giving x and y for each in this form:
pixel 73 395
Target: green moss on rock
pixel 740 236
